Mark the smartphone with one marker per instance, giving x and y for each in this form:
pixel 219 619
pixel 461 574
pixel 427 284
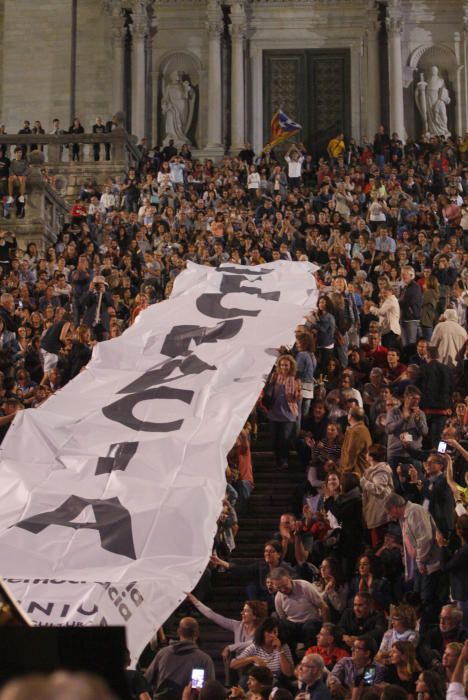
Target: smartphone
pixel 369 676
pixel 198 677
pixel 407 437
pixel 442 447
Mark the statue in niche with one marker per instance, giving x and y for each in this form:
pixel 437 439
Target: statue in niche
pixel 178 102
pixel 431 99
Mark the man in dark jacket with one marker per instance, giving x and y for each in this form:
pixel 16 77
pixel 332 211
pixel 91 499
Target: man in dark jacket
pixel 96 305
pixel 410 307
pixel 171 668
pixel 435 381
pixel 450 629
pixel 360 620
pixel 436 493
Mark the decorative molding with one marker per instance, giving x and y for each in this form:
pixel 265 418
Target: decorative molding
pixel 238 31
pixel 394 25
pixel 440 52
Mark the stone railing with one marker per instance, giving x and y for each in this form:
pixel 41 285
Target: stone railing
pixel 58 156
pixel 45 212
pixel 57 149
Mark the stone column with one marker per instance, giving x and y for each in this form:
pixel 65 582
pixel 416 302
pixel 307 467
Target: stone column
pixel 237 30
pixel 118 45
pixel 214 102
pixel 465 72
pixel 457 47
pixel 138 74
pixel 397 120
pixel 256 61
pixel 373 80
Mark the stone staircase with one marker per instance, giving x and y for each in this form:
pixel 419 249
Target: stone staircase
pixel 270 498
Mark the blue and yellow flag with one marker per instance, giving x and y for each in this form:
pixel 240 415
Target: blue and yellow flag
pixel 282 128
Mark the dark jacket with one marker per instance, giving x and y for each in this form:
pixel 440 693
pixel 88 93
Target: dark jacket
pixel 325 327
pixel 436 383
pixel 90 305
pixel 347 509
pixel 172 667
pixel 373 625
pixel 441 503
pixel 457 567
pixel 411 302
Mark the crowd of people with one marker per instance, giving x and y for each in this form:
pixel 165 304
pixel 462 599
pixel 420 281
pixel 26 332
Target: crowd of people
pixel 363 590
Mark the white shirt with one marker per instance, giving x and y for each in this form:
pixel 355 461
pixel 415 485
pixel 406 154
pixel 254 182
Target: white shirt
pixel 294 166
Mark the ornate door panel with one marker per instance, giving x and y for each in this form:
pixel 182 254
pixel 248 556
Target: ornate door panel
pixel 313 87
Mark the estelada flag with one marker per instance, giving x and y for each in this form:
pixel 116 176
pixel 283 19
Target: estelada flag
pixel 282 128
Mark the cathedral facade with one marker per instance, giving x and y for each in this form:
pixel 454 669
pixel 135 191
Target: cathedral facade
pixel 210 73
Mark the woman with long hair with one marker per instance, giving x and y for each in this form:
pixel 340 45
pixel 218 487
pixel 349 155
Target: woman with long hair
pixel 430 686
pixel 268 650
pixel 332 587
pixel 323 324
pixel 284 410
pixel 252 615
pixel 368 579
pixel 403 669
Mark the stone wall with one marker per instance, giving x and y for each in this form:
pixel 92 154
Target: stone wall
pixel 35 79
pixel 93 63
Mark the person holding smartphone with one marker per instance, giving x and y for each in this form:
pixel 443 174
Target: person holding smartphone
pixel 171 669
pixel 359 669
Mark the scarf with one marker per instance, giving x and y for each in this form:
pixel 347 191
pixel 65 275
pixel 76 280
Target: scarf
pixel 292 390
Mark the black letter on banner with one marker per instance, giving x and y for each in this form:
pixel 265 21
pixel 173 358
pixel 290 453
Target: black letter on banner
pixel 210 304
pixel 189 365
pixel 118 457
pixel 178 340
pixel 121 411
pixel 240 271
pixel 113 522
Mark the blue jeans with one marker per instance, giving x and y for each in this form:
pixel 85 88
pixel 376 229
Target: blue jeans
pixel 244 489
pixel 281 433
pixel 426 332
pixel 409 332
pixel 342 351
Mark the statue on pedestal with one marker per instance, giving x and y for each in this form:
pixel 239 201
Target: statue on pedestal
pixel 178 102
pixel 431 99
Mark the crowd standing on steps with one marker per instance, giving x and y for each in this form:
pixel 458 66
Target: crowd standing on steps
pixel 362 592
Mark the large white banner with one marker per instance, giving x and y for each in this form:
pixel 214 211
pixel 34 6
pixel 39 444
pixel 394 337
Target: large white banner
pixel 110 491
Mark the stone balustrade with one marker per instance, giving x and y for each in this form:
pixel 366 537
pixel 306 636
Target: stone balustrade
pixel 57 149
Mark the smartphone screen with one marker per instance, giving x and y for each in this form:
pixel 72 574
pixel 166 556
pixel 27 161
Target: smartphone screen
pixel 442 447
pixel 198 677
pixel 369 676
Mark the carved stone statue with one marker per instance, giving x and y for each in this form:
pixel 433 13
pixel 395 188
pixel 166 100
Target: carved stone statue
pixel 431 99
pixel 178 102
